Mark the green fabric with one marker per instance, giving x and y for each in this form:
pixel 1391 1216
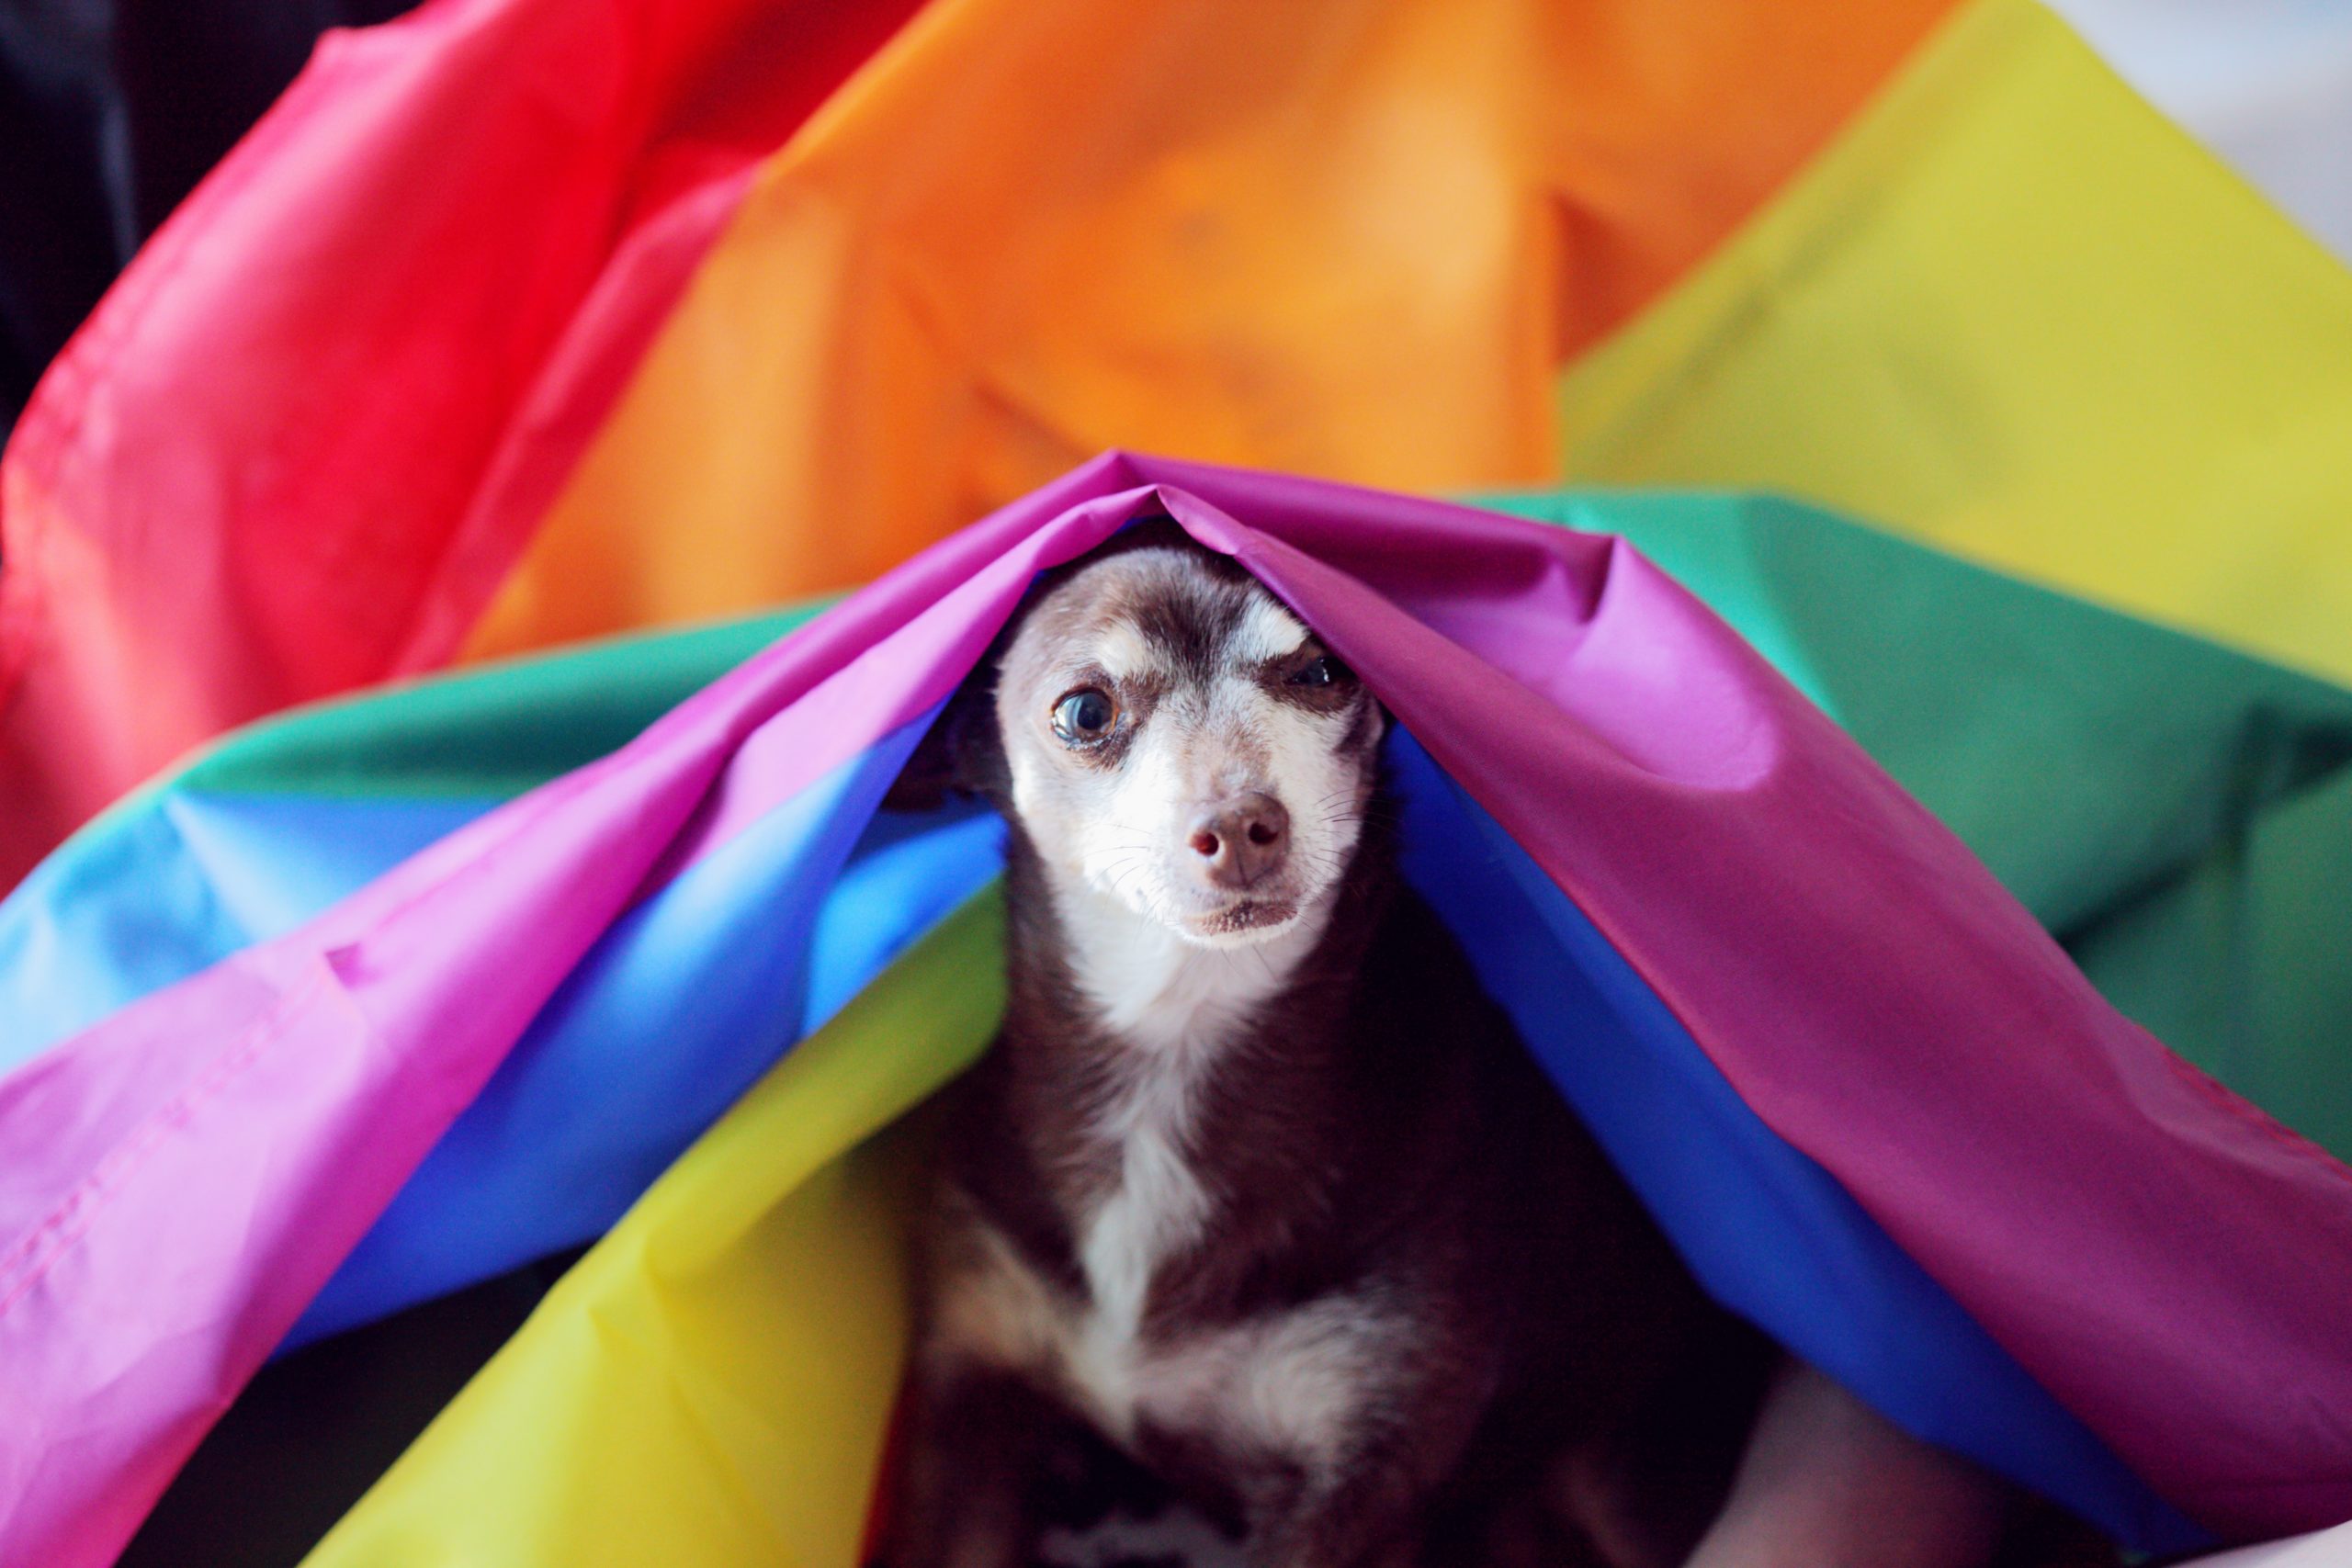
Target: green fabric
pixel 488 732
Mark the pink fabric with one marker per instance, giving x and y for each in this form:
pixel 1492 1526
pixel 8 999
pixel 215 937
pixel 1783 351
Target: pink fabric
pixel 178 1182
pixel 2171 1264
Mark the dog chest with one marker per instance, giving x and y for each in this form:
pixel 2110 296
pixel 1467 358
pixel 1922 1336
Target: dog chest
pixel 1292 1383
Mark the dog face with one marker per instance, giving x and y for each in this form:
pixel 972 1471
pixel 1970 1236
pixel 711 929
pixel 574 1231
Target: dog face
pixel 1176 740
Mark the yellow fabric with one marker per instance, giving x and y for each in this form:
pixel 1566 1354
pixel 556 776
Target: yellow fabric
pixel 710 1384
pixel 2015 312
pixel 1353 239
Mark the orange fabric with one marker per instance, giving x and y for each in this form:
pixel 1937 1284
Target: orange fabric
pixel 1355 241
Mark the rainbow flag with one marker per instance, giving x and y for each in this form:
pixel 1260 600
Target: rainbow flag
pixel 517 324
pixel 1880 1111
pixel 797 289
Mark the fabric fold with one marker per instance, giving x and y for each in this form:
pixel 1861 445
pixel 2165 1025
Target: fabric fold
pixel 2120 1243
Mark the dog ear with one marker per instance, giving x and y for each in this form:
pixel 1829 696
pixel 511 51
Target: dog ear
pixel 959 754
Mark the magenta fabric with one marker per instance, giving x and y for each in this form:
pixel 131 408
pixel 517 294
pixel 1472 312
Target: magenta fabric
pixel 180 1180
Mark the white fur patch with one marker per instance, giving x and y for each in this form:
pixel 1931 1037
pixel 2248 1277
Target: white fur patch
pixel 993 1309
pixel 1267 632
pixel 1126 654
pixel 1157 1210
pixel 1291 1383
pixel 1177 1535
pixel 1162 990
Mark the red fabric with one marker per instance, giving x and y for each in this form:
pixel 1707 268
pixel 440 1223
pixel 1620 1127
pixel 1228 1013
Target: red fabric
pixel 240 486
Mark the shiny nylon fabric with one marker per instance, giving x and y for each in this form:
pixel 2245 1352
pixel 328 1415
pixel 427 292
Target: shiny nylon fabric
pixel 1353 240
pixel 2175 813
pixel 268 828
pixel 1594 597
pixel 1014 233
pixel 2179 816
pixel 2102 266
pixel 712 1384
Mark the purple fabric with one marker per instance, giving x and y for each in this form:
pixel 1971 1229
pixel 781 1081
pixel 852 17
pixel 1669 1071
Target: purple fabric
pixel 180 1180
pixel 2170 1263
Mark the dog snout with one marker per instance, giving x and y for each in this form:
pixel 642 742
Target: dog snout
pixel 1241 840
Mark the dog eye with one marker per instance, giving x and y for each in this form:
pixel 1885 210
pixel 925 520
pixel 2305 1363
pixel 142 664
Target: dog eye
pixel 1324 671
pixel 1084 718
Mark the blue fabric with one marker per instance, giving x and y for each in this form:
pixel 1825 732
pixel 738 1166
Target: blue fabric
pixel 174 880
pixel 1770 1235
pixel 675 1011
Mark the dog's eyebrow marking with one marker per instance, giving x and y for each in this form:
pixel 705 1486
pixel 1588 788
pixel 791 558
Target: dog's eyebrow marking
pixel 1124 653
pixel 1267 632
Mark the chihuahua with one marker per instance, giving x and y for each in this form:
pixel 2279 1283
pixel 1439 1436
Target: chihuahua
pixel 1258 1190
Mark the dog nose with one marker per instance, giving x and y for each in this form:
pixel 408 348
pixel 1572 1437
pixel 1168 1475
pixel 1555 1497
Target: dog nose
pixel 1241 840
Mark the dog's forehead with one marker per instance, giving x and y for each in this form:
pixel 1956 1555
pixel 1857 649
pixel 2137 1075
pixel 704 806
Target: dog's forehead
pixel 1161 613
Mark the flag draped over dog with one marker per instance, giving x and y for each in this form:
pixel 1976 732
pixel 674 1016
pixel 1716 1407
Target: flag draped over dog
pixel 1877 1107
